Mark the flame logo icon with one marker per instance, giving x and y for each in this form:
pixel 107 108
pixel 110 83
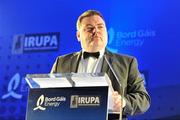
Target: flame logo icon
pixel 111 39
pixel 39 103
pixel 111 34
pixel 12 86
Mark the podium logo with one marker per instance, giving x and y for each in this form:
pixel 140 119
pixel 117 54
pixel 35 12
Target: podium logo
pixel 40 101
pixel 12 86
pixel 79 101
pixel 49 102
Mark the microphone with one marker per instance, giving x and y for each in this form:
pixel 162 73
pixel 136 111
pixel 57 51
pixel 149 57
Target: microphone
pixel 69 78
pixel 110 66
pixel 117 79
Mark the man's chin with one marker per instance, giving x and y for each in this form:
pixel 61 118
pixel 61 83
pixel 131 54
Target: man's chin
pixel 95 49
pixel 96 39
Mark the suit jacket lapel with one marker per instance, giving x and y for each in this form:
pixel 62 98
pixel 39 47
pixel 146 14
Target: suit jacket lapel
pixel 75 62
pixel 106 69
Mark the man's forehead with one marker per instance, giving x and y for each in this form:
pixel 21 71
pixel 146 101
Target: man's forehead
pixel 95 19
pixel 91 25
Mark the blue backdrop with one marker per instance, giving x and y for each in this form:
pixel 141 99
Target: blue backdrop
pixel 149 30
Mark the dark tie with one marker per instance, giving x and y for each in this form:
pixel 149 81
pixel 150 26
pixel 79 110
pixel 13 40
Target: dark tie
pixel 87 54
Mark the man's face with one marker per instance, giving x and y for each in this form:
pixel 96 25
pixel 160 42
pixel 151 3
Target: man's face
pixel 92 34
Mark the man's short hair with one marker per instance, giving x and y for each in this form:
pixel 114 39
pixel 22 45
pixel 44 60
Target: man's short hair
pixel 87 13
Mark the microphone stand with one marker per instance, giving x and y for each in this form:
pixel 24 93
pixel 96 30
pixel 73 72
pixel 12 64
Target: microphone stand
pixel 122 94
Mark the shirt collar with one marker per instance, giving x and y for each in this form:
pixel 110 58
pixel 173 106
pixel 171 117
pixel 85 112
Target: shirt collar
pixel 101 53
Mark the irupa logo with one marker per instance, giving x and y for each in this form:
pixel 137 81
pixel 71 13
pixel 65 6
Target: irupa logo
pixel 48 102
pixel 77 101
pixel 40 102
pixel 40 41
pixel 12 86
pixel 35 42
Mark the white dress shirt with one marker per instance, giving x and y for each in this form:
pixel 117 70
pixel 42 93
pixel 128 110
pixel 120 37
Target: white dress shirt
pixel 91 64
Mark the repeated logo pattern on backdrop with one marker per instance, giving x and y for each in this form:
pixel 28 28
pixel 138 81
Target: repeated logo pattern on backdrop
pixel 25 54
pixel 13 98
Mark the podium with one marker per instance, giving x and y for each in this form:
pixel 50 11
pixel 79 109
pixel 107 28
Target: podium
pixel 71 96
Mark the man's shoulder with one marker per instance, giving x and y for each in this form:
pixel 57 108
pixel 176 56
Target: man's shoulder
pixel 68 56
pixel 121 59
pixel 120 55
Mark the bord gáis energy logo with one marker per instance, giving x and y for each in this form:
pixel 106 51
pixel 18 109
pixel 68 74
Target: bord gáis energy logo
pixel 43 102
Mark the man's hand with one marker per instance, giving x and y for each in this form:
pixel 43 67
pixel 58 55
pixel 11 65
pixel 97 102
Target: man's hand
pixel 118 101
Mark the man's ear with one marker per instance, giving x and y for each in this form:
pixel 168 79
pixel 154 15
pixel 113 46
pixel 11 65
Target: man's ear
pixel 78 35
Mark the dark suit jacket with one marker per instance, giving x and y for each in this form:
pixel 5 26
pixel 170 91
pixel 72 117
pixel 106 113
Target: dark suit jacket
pixel 126 69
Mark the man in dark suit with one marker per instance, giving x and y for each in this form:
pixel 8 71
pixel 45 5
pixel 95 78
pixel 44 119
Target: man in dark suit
pixel 95 58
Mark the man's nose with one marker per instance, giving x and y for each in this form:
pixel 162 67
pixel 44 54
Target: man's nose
pixel 95 30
